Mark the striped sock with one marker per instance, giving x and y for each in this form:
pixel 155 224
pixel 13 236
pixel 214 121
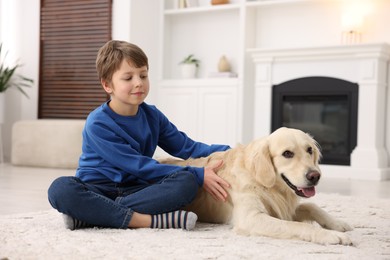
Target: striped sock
pixel 175 219
pixel 72 223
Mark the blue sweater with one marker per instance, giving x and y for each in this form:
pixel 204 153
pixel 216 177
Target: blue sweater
pixel 120 148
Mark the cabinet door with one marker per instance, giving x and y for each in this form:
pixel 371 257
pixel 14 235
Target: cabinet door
pixel 180 106
pixel 218 115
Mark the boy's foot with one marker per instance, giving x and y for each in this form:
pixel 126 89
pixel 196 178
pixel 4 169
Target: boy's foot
pixel 175 219
pixel 72 223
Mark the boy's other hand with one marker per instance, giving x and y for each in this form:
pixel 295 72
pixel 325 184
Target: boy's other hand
pixel 214 184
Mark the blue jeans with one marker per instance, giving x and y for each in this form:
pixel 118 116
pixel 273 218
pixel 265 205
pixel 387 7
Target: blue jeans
pixel 109 204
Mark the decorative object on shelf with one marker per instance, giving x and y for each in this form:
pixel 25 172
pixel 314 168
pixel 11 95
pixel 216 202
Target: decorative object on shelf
pixel 352 20
pixel 182 4
pixel 189 67
pixel 224 69
pixel 223 64
pixel 9 79
pixel 187 3
pixel 351 28
pixel 219 2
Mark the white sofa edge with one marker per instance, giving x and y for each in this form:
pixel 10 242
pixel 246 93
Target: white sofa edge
pixel 47 143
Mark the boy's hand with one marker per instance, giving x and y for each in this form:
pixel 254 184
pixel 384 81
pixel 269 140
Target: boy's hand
pixel 214 184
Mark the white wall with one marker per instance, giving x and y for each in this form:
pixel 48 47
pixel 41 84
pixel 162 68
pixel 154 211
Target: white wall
pixel 138 21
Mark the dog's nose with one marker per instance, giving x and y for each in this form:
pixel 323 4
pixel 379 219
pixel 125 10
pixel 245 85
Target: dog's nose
pixel 313 177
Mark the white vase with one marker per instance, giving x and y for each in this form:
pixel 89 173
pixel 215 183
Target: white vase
pixel 2 107
pixel 188 70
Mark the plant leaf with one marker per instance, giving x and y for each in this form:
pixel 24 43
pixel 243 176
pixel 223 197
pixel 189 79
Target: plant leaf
pixel 9 79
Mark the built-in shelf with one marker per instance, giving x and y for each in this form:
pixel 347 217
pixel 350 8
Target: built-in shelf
pixel 215 8
pixel 210 32
pixel 261 3
pixel 201 9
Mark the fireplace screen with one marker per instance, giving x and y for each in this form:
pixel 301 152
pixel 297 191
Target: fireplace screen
pixel 324 107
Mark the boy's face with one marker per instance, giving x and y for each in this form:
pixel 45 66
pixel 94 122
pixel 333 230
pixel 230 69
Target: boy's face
pixel 128 88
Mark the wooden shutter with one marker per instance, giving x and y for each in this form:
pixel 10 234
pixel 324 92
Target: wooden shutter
pixel 72 31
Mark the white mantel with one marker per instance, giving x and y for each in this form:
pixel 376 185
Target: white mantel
pixel 364 64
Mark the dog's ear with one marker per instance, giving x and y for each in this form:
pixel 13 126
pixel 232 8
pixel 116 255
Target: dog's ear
pixel 259 163
pixel 317 153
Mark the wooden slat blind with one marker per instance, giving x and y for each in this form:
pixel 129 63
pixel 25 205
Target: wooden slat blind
pixel 72 31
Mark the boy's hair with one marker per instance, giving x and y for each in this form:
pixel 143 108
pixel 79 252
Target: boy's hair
pixel 111 54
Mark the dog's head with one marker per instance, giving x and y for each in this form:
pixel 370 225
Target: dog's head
pixel 288 154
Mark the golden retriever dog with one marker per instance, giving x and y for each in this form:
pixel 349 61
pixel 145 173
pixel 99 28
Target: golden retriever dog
pixel 267 178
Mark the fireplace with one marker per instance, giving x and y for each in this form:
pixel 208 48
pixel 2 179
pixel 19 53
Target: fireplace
pixel 359 110
pixel 324 107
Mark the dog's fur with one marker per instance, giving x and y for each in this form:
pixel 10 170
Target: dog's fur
pixel 267 176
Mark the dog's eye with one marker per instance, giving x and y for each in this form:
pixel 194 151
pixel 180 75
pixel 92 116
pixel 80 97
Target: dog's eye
pixel 310 150
pixel 288 154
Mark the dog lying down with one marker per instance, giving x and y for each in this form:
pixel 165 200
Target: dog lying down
pixel 267 178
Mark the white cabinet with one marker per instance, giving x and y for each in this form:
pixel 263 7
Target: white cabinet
pixel 180 106
pixel 218 115
pixel 206 111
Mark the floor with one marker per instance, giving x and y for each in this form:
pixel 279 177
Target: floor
pixel 25 189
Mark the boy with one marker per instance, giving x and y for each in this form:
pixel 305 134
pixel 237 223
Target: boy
pixel 118 184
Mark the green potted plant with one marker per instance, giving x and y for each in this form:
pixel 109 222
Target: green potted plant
pixel 9 79
pixel 189 66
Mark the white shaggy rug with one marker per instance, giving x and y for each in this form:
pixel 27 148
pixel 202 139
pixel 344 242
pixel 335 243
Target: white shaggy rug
pixel 41 235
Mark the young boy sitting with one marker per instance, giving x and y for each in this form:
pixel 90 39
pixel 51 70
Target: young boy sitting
pixel 118 184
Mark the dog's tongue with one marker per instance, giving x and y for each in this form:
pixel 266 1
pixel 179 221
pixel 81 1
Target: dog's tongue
pixel 309 192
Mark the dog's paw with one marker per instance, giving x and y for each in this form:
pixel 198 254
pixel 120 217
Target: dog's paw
pixel 339 225
pixel 330 237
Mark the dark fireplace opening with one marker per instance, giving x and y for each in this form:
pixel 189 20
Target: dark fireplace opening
pixel 324 107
